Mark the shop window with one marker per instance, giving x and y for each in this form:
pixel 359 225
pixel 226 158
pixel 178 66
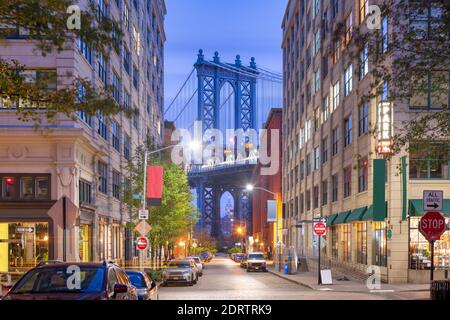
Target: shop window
pixel 334 242
pixel 27 187
pixel 379 244
pixel 361 242
pixel 85 243
pixel 85 192
pixel 345 241
pixel 42 187
pixel 9 184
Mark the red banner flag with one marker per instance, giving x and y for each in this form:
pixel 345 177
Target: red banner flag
pixel 154 185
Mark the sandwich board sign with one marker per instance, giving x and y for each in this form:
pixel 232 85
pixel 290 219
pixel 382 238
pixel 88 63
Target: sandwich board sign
pixel 432 200
pixel 325 276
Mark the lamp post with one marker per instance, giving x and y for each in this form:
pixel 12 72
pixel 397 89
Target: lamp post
pixel 250 188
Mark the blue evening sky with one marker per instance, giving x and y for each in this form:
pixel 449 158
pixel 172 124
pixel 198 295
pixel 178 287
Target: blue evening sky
pixel 245 27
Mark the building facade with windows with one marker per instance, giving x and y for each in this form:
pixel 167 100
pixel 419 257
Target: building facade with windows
pixel 78 168
pixel 332 168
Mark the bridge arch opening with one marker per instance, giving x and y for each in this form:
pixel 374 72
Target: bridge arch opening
pixel 227 108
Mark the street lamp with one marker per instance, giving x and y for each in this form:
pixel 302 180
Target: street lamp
pixel 250 187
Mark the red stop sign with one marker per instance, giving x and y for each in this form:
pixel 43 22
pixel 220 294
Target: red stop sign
pixel 142 243
pixel 320 228
pixel 432 225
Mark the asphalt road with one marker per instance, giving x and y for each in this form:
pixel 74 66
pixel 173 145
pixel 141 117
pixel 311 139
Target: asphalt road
pixel 223 279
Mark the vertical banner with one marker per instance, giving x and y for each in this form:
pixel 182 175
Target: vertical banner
pixel 154 185
pixel 404 190
pixel 379 186
pixel 272 210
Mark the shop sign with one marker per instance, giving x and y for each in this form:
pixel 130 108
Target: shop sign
pixel 24 229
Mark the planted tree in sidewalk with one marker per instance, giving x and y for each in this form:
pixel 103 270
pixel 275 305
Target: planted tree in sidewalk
pixel 174 217
pixel 402 51
pixel 52 27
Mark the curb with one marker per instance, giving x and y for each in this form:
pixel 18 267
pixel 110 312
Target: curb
pixel 291 280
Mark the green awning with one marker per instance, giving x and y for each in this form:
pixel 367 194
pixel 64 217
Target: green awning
pixel 416 207
pixel 368 215
pixel 356 214
pixel 330 219
pixel 341 217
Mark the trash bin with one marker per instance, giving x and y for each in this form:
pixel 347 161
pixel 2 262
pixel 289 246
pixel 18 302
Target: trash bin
pixel 286 268
pixel 440 290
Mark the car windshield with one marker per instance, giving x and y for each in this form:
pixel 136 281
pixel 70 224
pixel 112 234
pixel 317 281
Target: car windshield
pixel 256 257
pixel 179 264
pixel 137 280
pixel 197 260
pixel 62 280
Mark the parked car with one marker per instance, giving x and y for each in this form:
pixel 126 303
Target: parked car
pixel 207 256
pixel 239 256
pixel 244 262
pixel 198 272
pixel 146 287
pixel 256 261
pixel 55 281
pixel 232 256
pixel 180 271
pixel 199 263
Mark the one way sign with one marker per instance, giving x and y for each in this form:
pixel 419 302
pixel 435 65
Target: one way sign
pixel 432 200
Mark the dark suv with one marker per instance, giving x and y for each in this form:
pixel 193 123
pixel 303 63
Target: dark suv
pixel 73 281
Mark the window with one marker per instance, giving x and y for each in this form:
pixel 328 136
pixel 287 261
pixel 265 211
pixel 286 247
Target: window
pixel 126 17
pixel 102 126
pixel 384 40
pixel 316 158
pixel 308 130
pixel 85 192
pixel 363 111
pixel 316 197
pixel 347 182
pixel 85 50
pixel 135 77
pixel 127 60
pixel 136 120
pixel 336 50
pixel 335 187
pixel 126 101
pixel 29 187
pixel 302 203
pixel 335 141
pixel 334 242
pixel 379 243
pixel 348 28
pixel 127 146
pixel 115 128
pixel 102 11
pixel 308 200
pixel 317 80
pixel 345 241
pixel 325 150
pixel 116 184
pixel 431 91
pixel 315 7
pixel 103 177
pixel 348 80
pixel 348 128
pixel 426 21
pixel 308 164
pixel 116 85
pixel 324 192
pixel 325 108
pixel 335 94
pixel 363 10
pixel 82 114
pixel 361 242
pixel 335 7
pixel 420 257
pixel 432 163
pixel 363 173
pixel 316 43
pixel 102 71
pixel 364 61
pixel 302 170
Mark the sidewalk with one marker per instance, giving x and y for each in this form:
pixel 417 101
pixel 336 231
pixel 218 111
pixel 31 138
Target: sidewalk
pixel 309 280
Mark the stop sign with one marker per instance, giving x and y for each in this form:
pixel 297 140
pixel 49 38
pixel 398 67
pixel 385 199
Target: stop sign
pixel 320 228
pixel 141 243
pixel 432 225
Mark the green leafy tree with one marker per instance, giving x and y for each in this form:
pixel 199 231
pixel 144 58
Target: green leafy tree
pixel 408 50
pixel 44 23
pixel 175 216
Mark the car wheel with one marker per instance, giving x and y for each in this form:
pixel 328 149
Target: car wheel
pixel 248 270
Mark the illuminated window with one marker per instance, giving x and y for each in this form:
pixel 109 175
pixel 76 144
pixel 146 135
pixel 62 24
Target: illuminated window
pixel 361 242
pixel 379 243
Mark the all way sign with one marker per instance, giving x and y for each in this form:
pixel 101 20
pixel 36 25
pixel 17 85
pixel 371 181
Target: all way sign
pixel 432 200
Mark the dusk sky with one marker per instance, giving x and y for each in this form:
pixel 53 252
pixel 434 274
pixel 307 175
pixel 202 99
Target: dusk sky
pixel 245 27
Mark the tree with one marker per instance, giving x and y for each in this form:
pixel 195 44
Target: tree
pixel 45 24
pixel 408 69
pixel 176 215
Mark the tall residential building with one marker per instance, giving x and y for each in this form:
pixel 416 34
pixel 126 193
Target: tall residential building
pixel 332 168
pixel 78 169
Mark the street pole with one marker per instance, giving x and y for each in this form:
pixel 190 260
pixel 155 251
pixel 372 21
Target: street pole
pixel 432 260
pixel 319 277
pixel 141 252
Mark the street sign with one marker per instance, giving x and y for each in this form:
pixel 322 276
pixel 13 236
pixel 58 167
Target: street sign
pixel 320 228
pixel 24 229
pixel 143 228
pixel 142 243
pixel 432 225
pixel 143 214
pixel 432 200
